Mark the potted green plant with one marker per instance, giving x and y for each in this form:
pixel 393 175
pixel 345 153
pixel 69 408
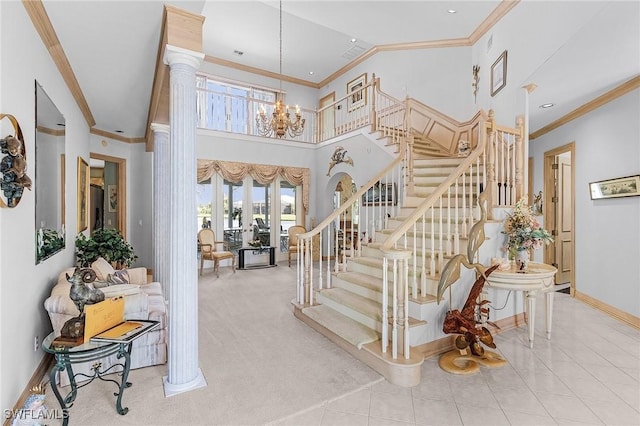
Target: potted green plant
pixel 106 243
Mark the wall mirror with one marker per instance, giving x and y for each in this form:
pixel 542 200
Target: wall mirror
pixel 107 200
pixel 49 177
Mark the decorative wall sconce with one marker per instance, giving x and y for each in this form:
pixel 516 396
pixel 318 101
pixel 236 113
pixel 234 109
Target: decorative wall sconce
pixel 476 79
pixel 13 166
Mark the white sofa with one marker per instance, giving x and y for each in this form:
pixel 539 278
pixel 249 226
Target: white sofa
pixel 142 301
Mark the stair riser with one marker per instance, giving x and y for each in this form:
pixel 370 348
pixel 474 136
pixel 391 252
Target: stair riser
pixel 426 311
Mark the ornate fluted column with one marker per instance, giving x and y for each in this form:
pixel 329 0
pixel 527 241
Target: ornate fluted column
pixel 184 373
pixel 161 203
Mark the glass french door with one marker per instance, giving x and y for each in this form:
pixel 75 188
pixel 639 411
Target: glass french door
pixel 245 211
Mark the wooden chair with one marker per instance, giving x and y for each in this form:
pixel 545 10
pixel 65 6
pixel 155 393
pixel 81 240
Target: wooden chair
pixel 209 251
pixel 293 232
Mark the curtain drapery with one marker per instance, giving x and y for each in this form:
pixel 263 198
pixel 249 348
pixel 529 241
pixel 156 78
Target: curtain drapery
pixel 262 173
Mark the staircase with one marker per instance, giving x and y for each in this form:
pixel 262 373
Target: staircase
pixel 351 310
pixel 374 296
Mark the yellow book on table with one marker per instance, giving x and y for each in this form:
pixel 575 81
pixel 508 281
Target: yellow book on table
pixel 106 320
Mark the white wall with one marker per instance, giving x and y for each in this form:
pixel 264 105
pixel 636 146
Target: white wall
pixel 531 33
pixel 607 232
pixel 25 285
pixel 439 78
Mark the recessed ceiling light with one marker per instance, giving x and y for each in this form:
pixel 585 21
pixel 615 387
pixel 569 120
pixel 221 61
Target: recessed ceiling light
pixel 353 40
pixel 238 52
pixel 310 72
pixel 546 105
pixel 451 11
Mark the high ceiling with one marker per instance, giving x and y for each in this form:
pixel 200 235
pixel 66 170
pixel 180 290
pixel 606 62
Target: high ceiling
pixel 112 46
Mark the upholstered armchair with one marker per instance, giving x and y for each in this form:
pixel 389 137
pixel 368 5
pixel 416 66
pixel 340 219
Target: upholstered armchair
pixel 209 250
pixel 293 232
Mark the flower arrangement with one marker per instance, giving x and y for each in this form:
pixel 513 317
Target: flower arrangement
pixel 255 243
pixel 523 230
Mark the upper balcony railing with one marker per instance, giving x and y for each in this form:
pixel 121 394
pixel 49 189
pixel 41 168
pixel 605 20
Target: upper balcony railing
pixel 227 112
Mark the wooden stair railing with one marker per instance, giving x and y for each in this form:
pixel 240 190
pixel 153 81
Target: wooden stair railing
pixel 449 212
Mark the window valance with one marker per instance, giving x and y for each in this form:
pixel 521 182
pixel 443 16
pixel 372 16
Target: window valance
pixel 262 173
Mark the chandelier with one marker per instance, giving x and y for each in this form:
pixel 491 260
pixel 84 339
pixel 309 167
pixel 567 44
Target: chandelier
pixel 280 123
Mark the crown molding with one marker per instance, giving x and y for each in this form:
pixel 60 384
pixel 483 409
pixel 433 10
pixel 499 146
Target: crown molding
pixel 259 71
pixel 43 26
pixel 494 17
pixel 115 136
pixel 49 131
pixel 611 95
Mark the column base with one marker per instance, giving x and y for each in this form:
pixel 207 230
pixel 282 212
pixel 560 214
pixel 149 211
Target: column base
pixel 171 389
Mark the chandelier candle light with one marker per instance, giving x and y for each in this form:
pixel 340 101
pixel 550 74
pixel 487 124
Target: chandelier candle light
pixel 280 123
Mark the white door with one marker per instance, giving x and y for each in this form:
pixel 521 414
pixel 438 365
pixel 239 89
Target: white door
pixel 327 118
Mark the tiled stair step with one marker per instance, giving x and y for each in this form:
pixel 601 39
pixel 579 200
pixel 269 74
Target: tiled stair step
pixel 350 330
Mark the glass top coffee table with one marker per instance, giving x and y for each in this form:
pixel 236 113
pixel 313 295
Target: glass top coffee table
pixel 93 350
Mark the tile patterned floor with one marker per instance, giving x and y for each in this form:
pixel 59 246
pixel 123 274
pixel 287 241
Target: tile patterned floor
pixel 587 374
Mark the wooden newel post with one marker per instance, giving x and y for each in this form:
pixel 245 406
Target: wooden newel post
pixel 491 164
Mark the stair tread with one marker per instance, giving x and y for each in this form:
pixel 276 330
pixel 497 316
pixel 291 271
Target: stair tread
pixel 364 280
pixel 363 305
pixel 350 330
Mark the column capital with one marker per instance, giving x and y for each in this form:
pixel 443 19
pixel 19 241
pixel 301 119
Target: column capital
pixel 178 55
pixel 160 128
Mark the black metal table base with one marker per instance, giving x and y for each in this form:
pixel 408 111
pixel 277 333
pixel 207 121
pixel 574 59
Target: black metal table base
pixel 64 361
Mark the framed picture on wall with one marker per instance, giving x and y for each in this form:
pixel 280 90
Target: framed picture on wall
pixel 499 74
pixel 83 194
pixel 615 188
pixel 358 98
pixel 112 193
pixel 381 194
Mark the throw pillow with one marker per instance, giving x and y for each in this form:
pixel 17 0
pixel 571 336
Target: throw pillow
pixel 102 269
pixel 118 277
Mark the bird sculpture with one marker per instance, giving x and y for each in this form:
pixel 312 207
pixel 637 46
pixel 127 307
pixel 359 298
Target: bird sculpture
pixel 80 292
